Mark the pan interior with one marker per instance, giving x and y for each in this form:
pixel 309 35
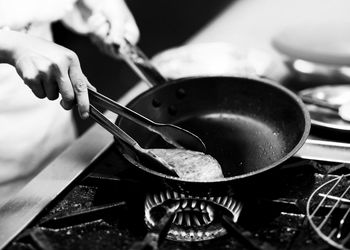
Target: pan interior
pixel 240 144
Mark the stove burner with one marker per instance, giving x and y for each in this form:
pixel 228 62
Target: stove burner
pixel 194 216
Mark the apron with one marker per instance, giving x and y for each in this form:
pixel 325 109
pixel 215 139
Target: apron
pixel 33 131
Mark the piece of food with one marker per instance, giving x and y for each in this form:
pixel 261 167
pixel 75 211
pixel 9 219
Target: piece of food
pixel 191 165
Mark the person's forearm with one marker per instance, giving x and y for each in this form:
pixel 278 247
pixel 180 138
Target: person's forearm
pixel 7 44
pixel 48 69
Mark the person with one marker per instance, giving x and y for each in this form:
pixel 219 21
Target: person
pixel 36 74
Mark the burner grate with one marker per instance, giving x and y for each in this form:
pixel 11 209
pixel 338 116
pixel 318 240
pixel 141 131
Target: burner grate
pixel 328 211
pixel 194 216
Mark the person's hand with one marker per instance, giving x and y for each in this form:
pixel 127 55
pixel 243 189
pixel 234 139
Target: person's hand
pixel 48 69
pixel 108 21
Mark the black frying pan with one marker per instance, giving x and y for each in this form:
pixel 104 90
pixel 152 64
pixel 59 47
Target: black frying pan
pixel 249 125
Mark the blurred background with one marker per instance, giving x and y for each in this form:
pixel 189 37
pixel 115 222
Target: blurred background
pixel 307 42
pixel 163 24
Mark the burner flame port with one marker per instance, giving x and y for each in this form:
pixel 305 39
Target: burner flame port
pixel 194 216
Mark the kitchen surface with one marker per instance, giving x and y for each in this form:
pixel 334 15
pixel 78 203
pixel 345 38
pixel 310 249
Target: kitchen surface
pixel 98 195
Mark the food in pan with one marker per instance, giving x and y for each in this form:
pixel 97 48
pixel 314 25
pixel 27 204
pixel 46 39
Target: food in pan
pixel 191 165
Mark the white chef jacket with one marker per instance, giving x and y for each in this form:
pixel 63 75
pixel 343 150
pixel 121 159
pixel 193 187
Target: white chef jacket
pixel 32 131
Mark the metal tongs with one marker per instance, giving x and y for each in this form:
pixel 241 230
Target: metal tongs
pixel 174 135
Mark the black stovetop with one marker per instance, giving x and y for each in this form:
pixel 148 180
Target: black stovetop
pixel 104 209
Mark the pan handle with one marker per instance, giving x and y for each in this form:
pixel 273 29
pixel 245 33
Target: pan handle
pixel 139 63
pixel 329 151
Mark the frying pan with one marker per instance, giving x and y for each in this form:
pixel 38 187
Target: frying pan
pixel 250 126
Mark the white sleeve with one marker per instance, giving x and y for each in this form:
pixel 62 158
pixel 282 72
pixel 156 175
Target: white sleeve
pixel 77 18
pixel 18 13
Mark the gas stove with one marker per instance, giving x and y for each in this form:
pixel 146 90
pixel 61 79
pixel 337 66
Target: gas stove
pixel 90 197
pixel 107 208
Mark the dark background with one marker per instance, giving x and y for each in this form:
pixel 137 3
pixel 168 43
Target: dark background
pixel 162 23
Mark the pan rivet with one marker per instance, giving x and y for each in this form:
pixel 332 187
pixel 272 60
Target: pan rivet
pixel 180 93
pixel 156 103
pixel 172 110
